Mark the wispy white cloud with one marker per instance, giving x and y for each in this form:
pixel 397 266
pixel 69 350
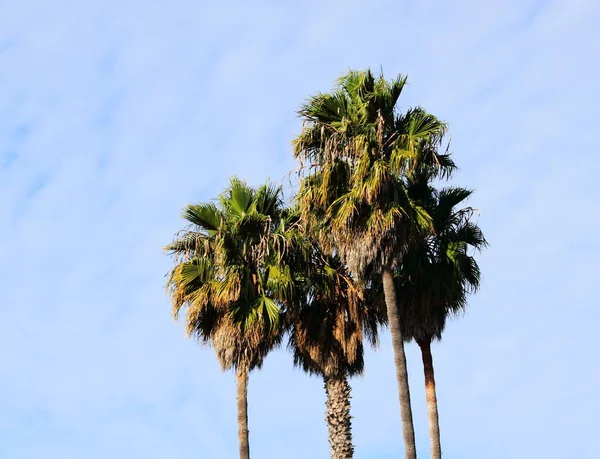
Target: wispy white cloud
pixel 113 116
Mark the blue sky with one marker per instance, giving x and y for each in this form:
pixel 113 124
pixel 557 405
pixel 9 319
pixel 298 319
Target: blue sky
pixel 115 114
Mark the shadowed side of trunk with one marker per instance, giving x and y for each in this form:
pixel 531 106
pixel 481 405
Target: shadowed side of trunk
pixel 338 417
pixel 408 430
pixel 242 412
pixel 430 393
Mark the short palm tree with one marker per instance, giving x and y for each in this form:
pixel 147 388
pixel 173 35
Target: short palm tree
pixel 327 330
pixel 355 150
pixel 435 277
pixel 230 278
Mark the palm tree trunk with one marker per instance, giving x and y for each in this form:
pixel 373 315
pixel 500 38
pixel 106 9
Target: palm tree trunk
pixel 242 412
pixel 432 408
pixel 338 417
pixel 408 429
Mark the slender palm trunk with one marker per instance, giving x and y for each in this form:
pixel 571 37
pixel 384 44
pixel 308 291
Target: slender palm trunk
pixel 242 412
pixel 408 429
pixel 338 417
pixel 432 408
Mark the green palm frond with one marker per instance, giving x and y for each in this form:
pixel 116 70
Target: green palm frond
pixel 278 280
pixel 268 200
pixel 206 216
pixel 420 125
pixel 470 234
pixel 449 198
pixel 237 199
pixel 393 93
pixel 198 269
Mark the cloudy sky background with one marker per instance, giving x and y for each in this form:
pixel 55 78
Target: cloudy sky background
pixel 115 114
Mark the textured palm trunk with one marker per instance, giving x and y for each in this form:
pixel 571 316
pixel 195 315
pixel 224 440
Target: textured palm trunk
pixel 242 412
pixel 432 408
pixel 408 430
pixel 338 417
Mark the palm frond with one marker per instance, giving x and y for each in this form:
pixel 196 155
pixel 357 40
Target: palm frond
pixel 205 216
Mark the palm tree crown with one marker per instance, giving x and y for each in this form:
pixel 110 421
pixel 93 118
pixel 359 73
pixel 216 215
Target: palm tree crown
pixel 438 272
pixel 355 149
pixel 328 328
pixel 229 277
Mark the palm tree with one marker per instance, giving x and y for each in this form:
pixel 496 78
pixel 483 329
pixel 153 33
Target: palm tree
pixel 230 278
pixel 436 276
pixel 355 150
pixel 326 337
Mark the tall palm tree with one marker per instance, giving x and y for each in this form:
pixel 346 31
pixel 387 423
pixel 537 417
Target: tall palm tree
pixel 230 278
pixel 355 150
pixel 327 329
pixel 435 277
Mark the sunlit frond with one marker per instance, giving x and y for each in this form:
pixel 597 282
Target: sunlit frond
pixel 206 216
